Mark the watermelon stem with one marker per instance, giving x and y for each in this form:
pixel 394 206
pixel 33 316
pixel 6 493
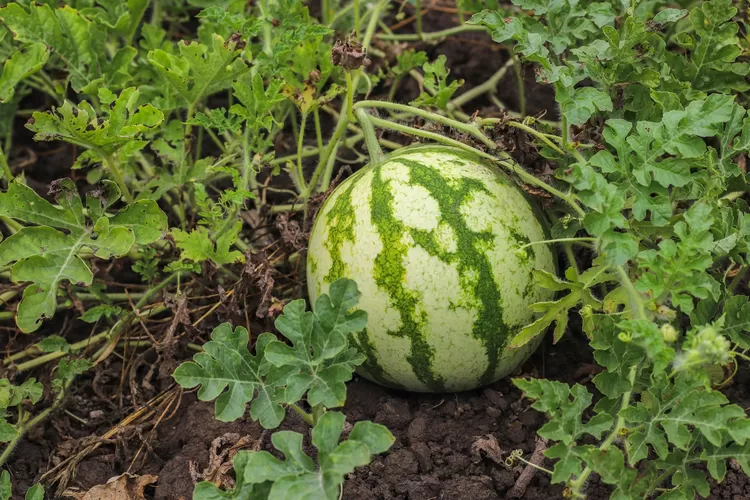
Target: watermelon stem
pixel 473 129
pixel 349 96
pixel 371 138
pixel 470 128
pixel 509 165
pixel 300 139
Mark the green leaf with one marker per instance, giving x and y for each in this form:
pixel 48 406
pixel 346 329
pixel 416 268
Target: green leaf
pixel 320 352
pixel 5 486
pixel 23 63
pixel 566 405
pixel 54 343
pixel 257 101
pixel 669 16
pixel 677 271
pixel 68 370
pixel 610 465
pixel 200 70
pixel 319 362
pixel 557 311
pixel 198 247
pixel 568 464
pixel 228 373
pixel 436 82
pixel 49 253
pixel 94 314
pixel 298 476
pixel 124 127
pixel 77 45
pixel 36 492
pixel 712 61
pixel 583 103
pixel 677 413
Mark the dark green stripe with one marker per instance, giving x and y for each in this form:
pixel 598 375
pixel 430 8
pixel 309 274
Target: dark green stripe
pixel 389 276
pixel 340 223
pixel 362 342
pixel 469 257
pixel 446 151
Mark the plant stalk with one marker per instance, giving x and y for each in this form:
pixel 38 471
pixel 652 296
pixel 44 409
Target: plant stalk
pixel 116 172
pixel 371 138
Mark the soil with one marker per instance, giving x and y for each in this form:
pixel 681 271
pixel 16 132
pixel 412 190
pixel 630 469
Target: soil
pixel 448 446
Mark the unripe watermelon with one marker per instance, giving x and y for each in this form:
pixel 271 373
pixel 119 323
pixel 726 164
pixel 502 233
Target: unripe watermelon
pixel 431 235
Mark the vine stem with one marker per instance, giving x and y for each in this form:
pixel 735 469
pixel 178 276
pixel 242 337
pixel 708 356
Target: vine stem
pixel 418 13
pixel 349 96
pixel 333 144
pixel 488 86
pixel 318 131
pixel 101 336
pixel 576 485
pixel 300 139
pixel 435 35
pixel 356 18
pixel 119 178
pixel 636 304
pixel 302 413
pixel 507 163
pixel 371 139
pixel 557 240
pixel 470 128
pixel 5 167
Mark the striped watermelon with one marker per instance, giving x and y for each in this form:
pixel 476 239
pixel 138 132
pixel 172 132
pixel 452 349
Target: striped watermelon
pixel 430 235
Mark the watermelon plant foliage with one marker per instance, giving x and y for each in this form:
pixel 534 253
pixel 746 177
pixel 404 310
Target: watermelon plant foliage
pixel 314 368
pixel 171 114
pixel 662 198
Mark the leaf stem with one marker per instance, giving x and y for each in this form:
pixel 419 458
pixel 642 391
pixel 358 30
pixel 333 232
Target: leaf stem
pixel 114 169
pixel 435 35
pixel 418 14
pixel 95 339
pixel 349 96
pixel 357 17
pixel 317 412
pixel 636 304
pixel 470 128
pixel 557 240
pixel 318 132
pixel 576 485
pixel 489 85
pixel 300 140
pixel 308 418
pixel 371 138
pixel 521 87
pixel 5 167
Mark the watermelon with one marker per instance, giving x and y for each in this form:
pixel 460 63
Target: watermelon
pixel 431 237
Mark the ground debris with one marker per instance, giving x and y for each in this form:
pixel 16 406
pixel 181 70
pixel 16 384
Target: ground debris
pixel 124 487
pixel 220 460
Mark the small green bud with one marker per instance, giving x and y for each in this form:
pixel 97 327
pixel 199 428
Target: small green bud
pixel 669 333
pixel 522 254
pixel 664 313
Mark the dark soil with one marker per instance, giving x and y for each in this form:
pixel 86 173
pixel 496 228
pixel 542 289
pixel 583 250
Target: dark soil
pixel 448 446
